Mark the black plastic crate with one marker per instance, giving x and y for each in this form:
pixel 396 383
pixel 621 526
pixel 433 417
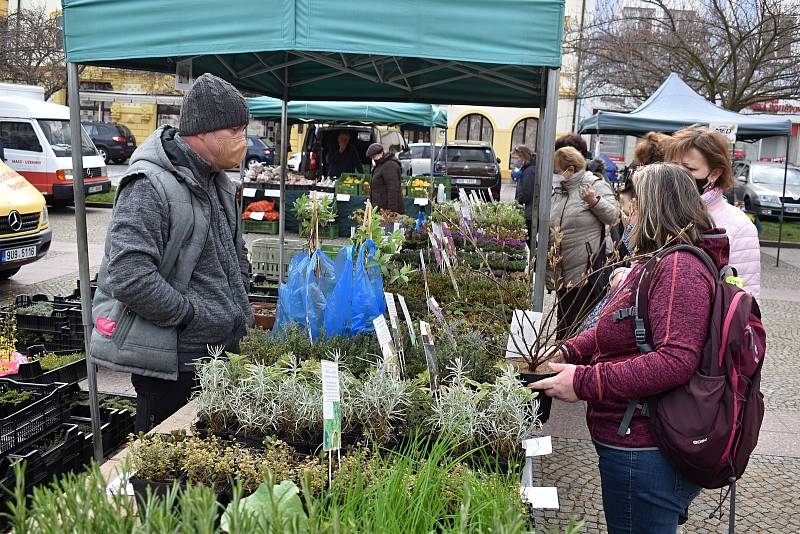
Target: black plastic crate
pixel 63 457
pixel 33 421
pixel 66 374
pixel 54 323
pixel 87 443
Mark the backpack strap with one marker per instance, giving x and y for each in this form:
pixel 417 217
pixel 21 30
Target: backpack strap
pixel 639 312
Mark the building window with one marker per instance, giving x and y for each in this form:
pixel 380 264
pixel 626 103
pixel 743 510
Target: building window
pixel 96 86
pixel 525 132
pixel 416 135
pixel 475 127
pixel 167 114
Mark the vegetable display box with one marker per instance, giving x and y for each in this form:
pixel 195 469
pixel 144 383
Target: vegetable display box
pixel 260 227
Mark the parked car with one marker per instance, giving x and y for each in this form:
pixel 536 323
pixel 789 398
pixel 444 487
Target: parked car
pixel 259 150
pixel 25 233
pixel 760 186
pixel 320 139
pixel 38 145
pixel 416 160
pixel 115 143
pixel 471 165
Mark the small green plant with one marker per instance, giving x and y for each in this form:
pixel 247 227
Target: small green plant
pixel 15 397
pixel 158 457
pixel 304 208
pixel 50 361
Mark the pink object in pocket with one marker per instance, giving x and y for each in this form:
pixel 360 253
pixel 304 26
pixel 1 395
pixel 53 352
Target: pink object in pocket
pixel 105 326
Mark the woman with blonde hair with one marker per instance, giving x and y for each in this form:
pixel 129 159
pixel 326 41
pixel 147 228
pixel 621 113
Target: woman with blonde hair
pixel 642 492
pixel 706 154
pixel 582 205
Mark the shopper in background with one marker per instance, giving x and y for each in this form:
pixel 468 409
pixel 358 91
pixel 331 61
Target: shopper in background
pixel 175 275
pixel 575 141
pixel 706 154
pixel 641 490
pixel 343 157
pixel 527 192
pixel 582 205
pixel 385 189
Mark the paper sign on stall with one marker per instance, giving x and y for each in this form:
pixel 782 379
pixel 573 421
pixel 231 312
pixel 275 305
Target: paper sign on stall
pixel 541 497
pixel 248 192
pixel 257 215
pixel 420 201
pixel 275 193
pixel 538 446
pixel 331 406
pixel 407 315
pixel 342 197
pixel 525 327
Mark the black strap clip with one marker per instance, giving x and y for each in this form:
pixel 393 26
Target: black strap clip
pixel 644 409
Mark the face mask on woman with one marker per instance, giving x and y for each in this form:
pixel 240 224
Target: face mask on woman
pixel 702 183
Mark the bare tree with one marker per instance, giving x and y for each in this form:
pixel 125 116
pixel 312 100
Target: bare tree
pixel 32 50
pixel 733 52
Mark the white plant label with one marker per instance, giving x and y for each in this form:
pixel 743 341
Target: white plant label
pixel 396 227
pixel 525 327
pixel 538 446
pixel 385 341
pixel 466 213
pixel 392 308
pixel 257 215
pixel 248 192
pixel 407 316
pixel 272 193
pixel 541 497
pixel 331 406
pixel 421 201
pixel 430 355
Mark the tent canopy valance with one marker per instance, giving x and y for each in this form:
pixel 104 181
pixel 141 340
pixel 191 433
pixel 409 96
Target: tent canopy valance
pixel 318 50
pixel 386 113
pixel 675 105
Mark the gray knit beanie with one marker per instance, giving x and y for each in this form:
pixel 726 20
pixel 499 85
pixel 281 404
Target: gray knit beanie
pixel 212 104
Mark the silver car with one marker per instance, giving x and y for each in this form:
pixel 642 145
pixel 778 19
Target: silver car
pixel 760 186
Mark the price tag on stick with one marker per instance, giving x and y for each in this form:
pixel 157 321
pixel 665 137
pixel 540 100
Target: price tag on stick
pixel 392 308
pixel 386 343
pixel 407 315
pixel 430 355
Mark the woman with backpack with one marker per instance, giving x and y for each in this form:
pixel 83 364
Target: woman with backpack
pixel 706 154
pixel 642 492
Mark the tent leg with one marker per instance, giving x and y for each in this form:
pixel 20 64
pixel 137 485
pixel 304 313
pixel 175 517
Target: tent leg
pixel 780 228
pixel 432 192
pixel 83 249
pixel 282 206
pixel 544 173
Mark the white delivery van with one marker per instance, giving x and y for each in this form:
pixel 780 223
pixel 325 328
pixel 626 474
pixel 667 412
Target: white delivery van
pixel 36 139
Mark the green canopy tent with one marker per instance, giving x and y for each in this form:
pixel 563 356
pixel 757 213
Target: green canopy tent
pixel 476 52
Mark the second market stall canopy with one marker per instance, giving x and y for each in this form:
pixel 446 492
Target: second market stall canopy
pixel 675 105
pixel 384 113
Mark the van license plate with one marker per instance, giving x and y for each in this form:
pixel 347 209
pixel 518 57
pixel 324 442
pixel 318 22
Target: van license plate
pixel 466 181
pixel 95 189
pixel 17 254
pixel 792 209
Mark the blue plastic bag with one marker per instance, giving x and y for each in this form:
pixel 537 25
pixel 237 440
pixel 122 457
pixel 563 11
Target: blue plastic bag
pixel 358 296
pixel 302 299
pixel 338 309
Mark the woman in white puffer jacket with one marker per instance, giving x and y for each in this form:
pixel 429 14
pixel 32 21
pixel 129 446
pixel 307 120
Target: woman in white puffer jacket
pixel 706 154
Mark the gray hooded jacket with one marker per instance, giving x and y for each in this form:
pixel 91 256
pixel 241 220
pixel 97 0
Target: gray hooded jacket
pixel 175 275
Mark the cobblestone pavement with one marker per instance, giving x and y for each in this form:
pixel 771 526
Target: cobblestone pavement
pixel 767 494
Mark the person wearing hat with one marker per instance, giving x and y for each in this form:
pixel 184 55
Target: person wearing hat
pixel 175 276
pixel 527 189
pixel 384 188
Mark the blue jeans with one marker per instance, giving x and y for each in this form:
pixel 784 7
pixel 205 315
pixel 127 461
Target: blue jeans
pixel 642 493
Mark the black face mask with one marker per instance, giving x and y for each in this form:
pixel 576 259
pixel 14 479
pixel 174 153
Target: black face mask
pixel 702 183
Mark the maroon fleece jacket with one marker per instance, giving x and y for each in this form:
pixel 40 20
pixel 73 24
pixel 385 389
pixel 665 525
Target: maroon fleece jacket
pixel 611 370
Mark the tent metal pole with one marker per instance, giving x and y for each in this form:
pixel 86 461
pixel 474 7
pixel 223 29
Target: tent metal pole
pixel 783 196
pixel 284 158
pixel 73 87
pixel 544 172
pixel 432 191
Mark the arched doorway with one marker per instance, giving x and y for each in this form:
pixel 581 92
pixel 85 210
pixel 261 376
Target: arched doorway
pixel 525 133
pixel 475 127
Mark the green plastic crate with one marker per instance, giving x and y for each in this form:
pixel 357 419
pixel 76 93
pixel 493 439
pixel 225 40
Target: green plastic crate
pixel 260 227
pixel 347 189
pixel 264 253
pixel 331 249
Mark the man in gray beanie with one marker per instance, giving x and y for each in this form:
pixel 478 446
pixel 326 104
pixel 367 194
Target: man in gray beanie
pixel 175 276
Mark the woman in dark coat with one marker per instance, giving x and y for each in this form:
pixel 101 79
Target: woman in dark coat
pixel 527 189
pixel 385 191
